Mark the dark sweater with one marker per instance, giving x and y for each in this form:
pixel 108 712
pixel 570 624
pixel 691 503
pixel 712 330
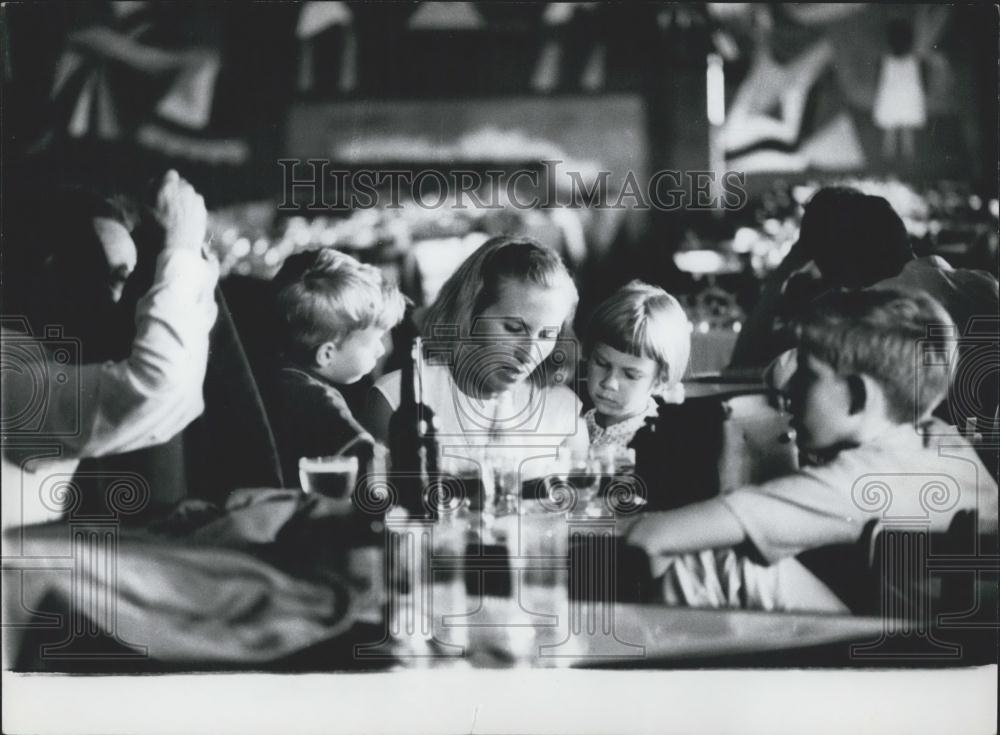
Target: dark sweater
pixel 310 419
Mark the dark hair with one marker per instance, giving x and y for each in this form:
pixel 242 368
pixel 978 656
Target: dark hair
pixel 889 336
pixel 900 35
pixel 855 239
pixel 56 270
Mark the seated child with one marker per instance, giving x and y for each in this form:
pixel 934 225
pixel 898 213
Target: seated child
pixel 637 346
pixel 332 313
pixel 861 400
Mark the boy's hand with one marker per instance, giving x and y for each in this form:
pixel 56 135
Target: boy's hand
pixel 181 212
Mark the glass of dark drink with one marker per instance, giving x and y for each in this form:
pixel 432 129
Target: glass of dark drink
pixel 332 477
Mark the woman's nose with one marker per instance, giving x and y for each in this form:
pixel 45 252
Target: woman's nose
pixel 524 347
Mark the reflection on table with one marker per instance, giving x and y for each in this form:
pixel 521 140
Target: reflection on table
pixel 543 590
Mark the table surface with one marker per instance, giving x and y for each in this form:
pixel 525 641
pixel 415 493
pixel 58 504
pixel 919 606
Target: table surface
pixel 540 606
pixel 541 628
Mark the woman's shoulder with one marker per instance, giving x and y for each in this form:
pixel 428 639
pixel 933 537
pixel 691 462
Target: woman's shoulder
pixel 390 381
pixel 563 397
pixel 388 386
pixel 434 377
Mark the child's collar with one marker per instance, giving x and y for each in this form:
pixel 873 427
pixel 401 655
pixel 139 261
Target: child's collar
pixel 309 373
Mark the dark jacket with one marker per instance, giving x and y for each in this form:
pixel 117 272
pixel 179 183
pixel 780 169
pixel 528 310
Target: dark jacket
pixel 310 419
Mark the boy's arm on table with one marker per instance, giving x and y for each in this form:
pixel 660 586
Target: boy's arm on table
pixel 709 524
pixel 782 517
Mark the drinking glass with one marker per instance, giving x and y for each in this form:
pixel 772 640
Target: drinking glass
pixel 476 480
pixel 332 477
pixel 584 476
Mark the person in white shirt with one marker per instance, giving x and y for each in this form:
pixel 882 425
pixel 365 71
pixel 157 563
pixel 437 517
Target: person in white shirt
pixel 57 411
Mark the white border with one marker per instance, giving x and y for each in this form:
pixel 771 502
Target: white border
pixel 485 701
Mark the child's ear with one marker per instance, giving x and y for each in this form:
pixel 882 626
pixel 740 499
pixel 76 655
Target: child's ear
pixel 325 354
pixel 857 389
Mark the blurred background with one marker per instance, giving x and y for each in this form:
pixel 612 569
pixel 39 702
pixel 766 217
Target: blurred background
pixel 111 94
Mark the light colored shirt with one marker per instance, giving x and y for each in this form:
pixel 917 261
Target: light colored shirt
pixel 919 476
pixel 64 411
pixel 912 478
pixel 620 434
pixel 964 293
pixel 527 424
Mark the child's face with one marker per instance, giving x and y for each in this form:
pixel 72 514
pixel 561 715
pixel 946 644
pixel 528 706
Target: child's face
pixel 524 324
pixel 620 384
pixel 820 405
pixel 353 357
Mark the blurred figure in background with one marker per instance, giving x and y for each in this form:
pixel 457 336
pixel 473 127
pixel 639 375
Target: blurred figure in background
pixel 900 104
pixel 853 240
pixel 70 272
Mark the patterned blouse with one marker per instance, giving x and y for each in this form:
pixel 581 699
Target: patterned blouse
pixel 620 434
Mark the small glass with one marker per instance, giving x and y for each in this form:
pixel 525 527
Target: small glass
pixel 475 478
pixel 332 477
pixel 584 476
pixel 506 483
pixel 619 484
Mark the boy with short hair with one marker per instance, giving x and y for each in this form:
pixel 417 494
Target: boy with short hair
pixel 867 379
pixel 333 313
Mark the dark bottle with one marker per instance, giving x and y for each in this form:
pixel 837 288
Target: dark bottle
pixel 413 446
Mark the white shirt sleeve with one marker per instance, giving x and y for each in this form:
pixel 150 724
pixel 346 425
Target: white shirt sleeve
pixel 145 399
pixel 788 515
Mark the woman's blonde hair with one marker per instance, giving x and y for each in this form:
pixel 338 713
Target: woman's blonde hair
pixel 476 285
pixel 644 321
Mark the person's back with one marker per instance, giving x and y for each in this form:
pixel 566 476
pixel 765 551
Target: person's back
pixel 310 419
pixel 972 299
pixel 847 239
pixel 965 294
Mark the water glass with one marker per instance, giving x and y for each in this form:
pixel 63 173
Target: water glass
pixel 333 478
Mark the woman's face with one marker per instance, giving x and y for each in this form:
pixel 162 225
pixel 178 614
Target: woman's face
pixel 515 335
